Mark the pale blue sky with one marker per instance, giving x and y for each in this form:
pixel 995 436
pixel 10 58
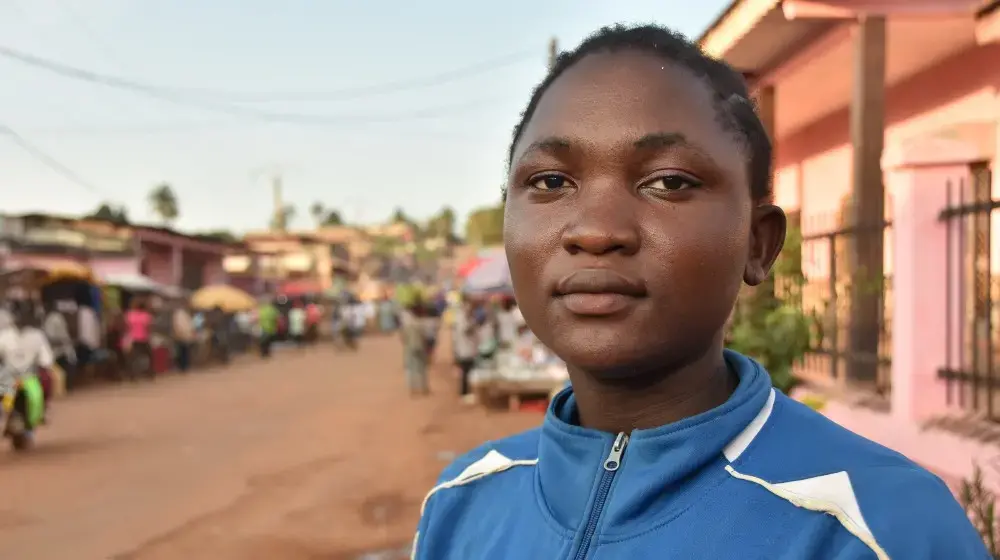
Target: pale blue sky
pixel 418 148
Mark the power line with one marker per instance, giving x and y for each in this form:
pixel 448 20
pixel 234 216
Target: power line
pixel 80 22
pixel 232 110
pixel 373 90
pixel 48 160
pixel 265 97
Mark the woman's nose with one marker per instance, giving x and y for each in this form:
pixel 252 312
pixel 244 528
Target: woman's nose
pixel 603 223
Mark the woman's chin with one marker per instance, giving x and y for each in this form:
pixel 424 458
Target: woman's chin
pixel 608 359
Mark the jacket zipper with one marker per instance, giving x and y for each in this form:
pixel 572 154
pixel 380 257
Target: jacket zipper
pixel 611 465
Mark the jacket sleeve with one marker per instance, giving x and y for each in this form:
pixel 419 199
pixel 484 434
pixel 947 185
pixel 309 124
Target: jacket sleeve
pixel 423 528
pixel 914 516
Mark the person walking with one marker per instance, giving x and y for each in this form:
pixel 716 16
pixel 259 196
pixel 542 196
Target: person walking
pixel 267 323
pixel 63 350
pixel 184 336
pixel 465 346
pixel 138 326
pixel 297 323
pixel 414 334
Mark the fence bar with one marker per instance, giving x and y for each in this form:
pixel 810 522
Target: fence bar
pixel 835 306
pixel 961 298
pixel 988 304
pixel 948 312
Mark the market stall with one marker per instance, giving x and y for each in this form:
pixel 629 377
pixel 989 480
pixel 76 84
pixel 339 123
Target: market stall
pixel 513 376
pixel 228 298
pixel 21 283
pixel 490 275
pixel 122 289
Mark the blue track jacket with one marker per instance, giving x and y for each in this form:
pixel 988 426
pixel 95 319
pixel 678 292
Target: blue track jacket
pixel 760 477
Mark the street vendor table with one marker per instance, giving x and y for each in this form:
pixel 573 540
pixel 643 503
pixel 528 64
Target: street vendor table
pixel 508 377
pixel 514 391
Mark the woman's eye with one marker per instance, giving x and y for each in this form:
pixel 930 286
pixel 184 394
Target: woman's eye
pixel 672 183
pixel 548 182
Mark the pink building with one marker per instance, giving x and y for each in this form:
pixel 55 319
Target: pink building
pixel 885 115
pixel 170 258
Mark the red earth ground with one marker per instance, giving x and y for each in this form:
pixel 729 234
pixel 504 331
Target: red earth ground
pixel 315 454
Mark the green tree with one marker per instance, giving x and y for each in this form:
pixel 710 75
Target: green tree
pixel 332 218
pixel 324 216
pixel 220 235
pixel 317 210
pixel 110 213
pixel 485 226
pixel 164 204
pixel 383 246
pixel 399 217
pixel 442 224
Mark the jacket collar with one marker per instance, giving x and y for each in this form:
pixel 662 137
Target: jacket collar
pixel 663 470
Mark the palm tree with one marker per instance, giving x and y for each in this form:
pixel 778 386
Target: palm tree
pixel 164 203
pixel 318 212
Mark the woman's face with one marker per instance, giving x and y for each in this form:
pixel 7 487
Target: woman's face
pixel 628 216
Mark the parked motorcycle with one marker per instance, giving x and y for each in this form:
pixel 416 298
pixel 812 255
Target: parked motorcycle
pixel 22 410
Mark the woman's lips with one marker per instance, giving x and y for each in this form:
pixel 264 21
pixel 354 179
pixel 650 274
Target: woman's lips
pixel 597 305
pixel 598 292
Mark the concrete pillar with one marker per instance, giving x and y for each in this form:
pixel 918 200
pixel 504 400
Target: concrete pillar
pixel 918 178
pixel 867 209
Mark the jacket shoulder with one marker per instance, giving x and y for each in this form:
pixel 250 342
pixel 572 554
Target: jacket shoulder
pixel 493 456
pixel 913 514
pixel 905 509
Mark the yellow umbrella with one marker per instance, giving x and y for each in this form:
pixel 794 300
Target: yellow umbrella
pixel 69 270
pixel 230 299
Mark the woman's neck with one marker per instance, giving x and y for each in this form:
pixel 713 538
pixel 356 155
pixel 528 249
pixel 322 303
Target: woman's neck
pixel 694 388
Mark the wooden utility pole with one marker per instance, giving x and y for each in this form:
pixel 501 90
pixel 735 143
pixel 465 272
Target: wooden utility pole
pixel 553 52
pixel 279 204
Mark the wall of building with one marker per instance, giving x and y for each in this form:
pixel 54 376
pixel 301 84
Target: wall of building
pixel 958 97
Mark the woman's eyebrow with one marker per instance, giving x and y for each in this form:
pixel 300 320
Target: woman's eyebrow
pixel 667 140
pixel 556 145
pixel 658 140
pixel 550 145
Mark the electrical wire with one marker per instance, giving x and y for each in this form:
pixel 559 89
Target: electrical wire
pixel 343 94
pixel 49 161
pixel 232 110
pixel 373 90
pixel 94 38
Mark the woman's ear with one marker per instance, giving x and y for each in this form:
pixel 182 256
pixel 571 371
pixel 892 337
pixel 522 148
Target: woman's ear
pixel 767 236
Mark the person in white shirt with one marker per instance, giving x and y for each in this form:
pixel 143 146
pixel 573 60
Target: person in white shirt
pixel 507 323
pixel 57 331
pixel 464 344
pixel 26 352
pixel 9 341
pixel 88 334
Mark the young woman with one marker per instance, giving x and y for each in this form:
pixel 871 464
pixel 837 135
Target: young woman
pixel 138 324
pixel 637 202
pixel 415 357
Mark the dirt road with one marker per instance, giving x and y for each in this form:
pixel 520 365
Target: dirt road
pixel 312 455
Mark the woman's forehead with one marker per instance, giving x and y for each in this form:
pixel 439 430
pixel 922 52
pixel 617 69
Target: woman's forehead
pixel 614 99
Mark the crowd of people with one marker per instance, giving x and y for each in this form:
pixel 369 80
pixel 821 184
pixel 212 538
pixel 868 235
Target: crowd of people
pixel 156 335
pixel 479 327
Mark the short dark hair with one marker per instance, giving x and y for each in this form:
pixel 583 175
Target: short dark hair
pixel 736 110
